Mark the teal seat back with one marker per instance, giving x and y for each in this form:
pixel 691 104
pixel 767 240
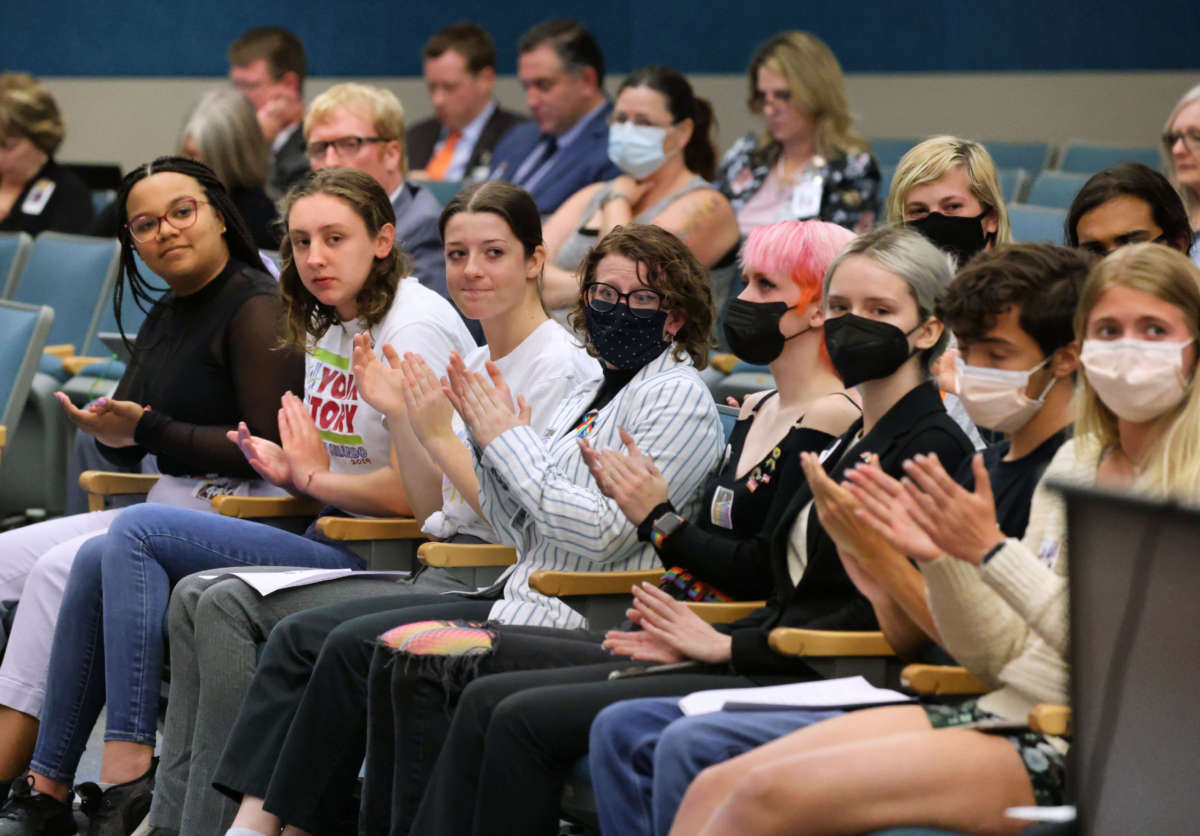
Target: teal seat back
pixel 1086 158
pixel 1030 156
pixel 443 190
pixel 14 250
pixel 74 275
pixel 1056 189
pixel 1037 224
pixel 23 333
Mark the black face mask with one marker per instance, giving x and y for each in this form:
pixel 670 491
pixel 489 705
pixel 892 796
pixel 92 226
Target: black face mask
pixel 865 349
pixel 752 330
pixel 623 340
pixel 959 236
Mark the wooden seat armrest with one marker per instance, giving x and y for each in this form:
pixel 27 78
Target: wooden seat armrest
pixel 795 641
pixel 60 351
pixel 1051 719
pixel 725 611
pixel 450 555
pixel 591 583
pixel 262 507
pixel 74 365
pixel 102 483
pixel 941 679
pixel 724 362
pixel 366 528
pixel 3 435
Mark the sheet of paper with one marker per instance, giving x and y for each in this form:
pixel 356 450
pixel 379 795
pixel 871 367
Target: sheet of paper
pixel 265 583
pixel 826 693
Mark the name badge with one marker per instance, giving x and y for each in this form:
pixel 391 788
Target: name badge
pixel 38 196
pixel 722 507
pixel 806 198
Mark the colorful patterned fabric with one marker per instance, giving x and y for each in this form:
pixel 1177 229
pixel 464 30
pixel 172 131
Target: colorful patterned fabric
pixel 440 638
pixel 1044 762
pixel 682 585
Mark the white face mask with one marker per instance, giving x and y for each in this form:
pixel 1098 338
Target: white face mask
pixel 1137 379
pixel 636 149
pixel 995 399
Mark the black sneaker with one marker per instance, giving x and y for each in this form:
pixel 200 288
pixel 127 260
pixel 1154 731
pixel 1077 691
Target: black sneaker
pixel 29 813
pixel 118 810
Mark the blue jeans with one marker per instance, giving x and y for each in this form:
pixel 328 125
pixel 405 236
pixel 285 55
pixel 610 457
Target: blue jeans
pixel 109 642
pixel 644 753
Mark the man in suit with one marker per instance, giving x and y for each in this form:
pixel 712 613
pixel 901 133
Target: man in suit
pixel 457 143
pixel 359 126
pixel 267 64
pixel 565 148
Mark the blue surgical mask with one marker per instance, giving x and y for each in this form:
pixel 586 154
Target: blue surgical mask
pixel 636 149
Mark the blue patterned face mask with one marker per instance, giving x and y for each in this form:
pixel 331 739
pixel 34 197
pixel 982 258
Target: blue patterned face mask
pixel 623 340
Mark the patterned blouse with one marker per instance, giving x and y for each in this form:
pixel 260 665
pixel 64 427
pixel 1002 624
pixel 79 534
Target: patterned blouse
pixel 850 182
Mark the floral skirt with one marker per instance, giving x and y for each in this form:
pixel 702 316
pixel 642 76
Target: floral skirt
pixel 1043 761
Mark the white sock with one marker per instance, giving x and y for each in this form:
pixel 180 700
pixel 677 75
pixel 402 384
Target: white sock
pixel 243 831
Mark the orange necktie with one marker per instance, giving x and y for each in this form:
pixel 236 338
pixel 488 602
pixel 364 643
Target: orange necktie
pixel 441 160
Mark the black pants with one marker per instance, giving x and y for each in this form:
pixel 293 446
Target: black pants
pixel 412 700
pixel 300 737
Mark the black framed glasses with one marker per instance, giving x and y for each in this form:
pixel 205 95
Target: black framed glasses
pixel 1191 140
pixel 602 298
pixel 181 216
pixel 345 145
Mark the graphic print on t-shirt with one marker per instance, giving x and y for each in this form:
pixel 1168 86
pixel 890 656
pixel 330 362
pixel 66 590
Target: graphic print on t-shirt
pixel 333 401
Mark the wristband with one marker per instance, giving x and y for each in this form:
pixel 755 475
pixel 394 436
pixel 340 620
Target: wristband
pixel 611 196
pixel 992 552
pixel 643 529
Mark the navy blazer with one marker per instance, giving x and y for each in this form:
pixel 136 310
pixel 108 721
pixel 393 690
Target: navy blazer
pixel 582 163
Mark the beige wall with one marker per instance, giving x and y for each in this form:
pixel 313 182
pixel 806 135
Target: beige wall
pixel 130 120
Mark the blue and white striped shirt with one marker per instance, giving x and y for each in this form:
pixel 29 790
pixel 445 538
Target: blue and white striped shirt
pixel 539 496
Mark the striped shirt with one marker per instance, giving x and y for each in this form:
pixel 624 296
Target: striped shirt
pixel 539 496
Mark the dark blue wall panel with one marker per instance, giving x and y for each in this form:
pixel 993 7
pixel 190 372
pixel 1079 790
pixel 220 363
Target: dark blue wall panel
pixel 373 38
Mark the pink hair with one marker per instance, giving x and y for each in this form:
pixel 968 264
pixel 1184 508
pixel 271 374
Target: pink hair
pixel 800 250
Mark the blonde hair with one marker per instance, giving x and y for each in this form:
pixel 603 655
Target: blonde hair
pixel 817 85
pixel 377 104
pixel 28 110
pixel 225 129
pixel 936 157
pixel 1172 465
pixel 1191 200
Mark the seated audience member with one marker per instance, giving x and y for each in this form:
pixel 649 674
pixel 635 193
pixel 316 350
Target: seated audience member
pixel 515 735
pixel 648 319
pixel 1136 428
pixel 810 163
pixel 493 244
pixel 206 356
pixel 460 72
pixel 1012 312
pixel 1127 204
pixel 36 193
pixel 267 64
pixel 341 266
pixel 1181 141
pixel 362 127
pixel 222 133
pixel 565 147
pixel 947 189
pixel 661 137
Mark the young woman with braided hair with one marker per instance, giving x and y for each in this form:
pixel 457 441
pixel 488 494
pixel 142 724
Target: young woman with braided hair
pixel 205 358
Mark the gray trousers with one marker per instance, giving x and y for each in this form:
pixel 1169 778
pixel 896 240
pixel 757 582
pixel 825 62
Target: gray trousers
pixel 216 627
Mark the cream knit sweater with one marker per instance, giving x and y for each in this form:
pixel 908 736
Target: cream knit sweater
pixel 1006 622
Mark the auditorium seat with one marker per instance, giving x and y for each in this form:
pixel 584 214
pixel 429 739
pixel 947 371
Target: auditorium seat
pixel 1036 224
pixel 1055 189
pixel 1088 158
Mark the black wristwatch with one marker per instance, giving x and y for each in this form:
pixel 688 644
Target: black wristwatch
pixel 664 527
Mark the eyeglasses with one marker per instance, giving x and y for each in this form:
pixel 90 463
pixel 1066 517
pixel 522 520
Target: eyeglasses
pixel 345 146
pixel 761 97
pixel 1191 140
pixel 180 216
pixel 602 298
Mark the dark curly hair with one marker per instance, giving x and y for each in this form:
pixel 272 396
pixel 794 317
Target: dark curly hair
pixel 672 270
pixel 237 235
pixel 308 319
